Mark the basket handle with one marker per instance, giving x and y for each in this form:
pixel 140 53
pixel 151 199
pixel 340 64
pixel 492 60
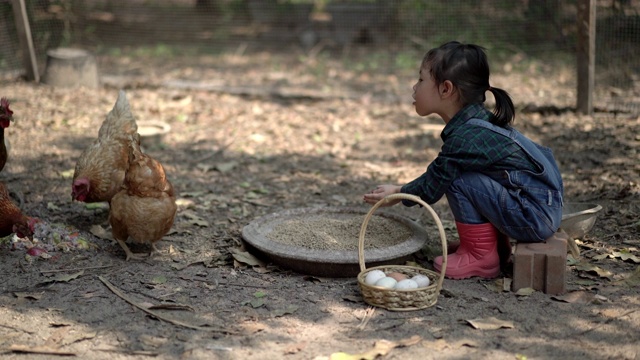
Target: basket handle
pixel 413 198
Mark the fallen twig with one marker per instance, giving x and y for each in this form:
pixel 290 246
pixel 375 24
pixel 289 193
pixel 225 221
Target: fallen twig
pixel 607 321
pixel 75 269
pixel 129 352
pixel 158 315
pixel 172 307
pixel 367 316
pixel 45 350
pixel 17 329
pixel 217 283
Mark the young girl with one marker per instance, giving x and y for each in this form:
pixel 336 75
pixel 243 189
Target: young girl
pixel 498 183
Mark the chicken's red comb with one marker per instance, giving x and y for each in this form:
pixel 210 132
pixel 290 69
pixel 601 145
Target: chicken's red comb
pixel 4 103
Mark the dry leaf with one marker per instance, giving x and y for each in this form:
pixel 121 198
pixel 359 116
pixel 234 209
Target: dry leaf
pixel 255 303
pixel 600 298
pixel 600 257
pixel 632 280
pixel 438 344
pixel 313 279
pixel 57 337
pixel 52 206
pixel 204 167
pixel 506 285
pixel 252 328
pixel 380 348
pixel 226 166
pixel 28 295
pixel 490 323
pixel 152 341
pixel 59 324
pixel 64 278
pixel 281 312
pixel 100 232
pixel 247 259
pixel 625 255
pixel 613 313
pixel 594 269
pixel 67 174
pixel 495 286
pixel 571 261
pixel 261 270
pixel 157 280
pixel 183 266
pixel 192 194
pixel 194 219
pixel 78 336
pixel 575 297
pixel 525 291
pixel 415 339
pixel 185 203
pixel 585 282
pixel 340 199
pixel 295 348
pixel 467 343
pixel 352 298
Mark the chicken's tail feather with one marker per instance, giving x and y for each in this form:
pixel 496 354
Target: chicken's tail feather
pixel 120 119
pixel 135 151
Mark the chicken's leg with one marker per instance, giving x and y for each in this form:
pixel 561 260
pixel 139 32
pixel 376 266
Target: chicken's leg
pixel 154 250
pixel 130 255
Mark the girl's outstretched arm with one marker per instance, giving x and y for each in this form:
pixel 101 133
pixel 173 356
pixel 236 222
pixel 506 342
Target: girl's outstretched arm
pixel 375 195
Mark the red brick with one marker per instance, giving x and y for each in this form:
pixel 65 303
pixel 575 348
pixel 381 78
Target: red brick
pixel 541 266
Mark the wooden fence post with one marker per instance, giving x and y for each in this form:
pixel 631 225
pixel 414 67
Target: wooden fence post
pixel 586 55
pixel 26 41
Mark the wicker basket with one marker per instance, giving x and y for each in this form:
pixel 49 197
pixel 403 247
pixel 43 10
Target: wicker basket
pixel 401 300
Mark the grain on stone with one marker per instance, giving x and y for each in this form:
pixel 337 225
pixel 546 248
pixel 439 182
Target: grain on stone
pixel 339 232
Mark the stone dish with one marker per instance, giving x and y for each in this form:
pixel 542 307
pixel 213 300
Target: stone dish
pixel 579 218
pixel 327 263
pixel 152 133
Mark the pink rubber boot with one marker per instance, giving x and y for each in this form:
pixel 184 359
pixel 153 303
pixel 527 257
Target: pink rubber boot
pixel 504 251
pixel 477 254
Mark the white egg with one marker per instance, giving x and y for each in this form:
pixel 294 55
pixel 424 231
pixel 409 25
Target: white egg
pixel 387 282
pixel 373 276
pixel 406 284
pixel 422 280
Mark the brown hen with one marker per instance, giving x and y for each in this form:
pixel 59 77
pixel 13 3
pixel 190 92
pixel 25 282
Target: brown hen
pixel 145 208
pixel 101 167
pixel 12 220
pixel 6 116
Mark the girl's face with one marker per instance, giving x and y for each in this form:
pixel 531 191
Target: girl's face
pixel 426 94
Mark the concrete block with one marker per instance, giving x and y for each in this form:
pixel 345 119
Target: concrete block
pixel 541 266
pixel 71 67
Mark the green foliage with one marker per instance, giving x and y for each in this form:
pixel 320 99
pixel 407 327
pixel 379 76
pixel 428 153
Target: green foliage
pixel 503 23
pixel 408 60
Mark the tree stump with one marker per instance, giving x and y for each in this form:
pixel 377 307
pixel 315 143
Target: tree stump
pixel 68 67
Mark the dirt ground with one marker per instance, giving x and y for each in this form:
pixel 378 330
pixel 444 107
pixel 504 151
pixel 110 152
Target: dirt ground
pixel 258 133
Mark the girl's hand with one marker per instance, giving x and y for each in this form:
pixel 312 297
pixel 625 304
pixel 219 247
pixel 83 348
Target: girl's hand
pixel 377 194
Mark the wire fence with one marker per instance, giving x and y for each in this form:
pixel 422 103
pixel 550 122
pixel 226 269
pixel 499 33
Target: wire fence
pixel 541 29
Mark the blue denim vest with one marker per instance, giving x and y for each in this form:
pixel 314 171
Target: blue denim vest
pixel 543 189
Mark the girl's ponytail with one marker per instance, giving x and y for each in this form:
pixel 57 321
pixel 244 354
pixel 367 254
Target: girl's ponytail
pixel 504 112
pixel 467 67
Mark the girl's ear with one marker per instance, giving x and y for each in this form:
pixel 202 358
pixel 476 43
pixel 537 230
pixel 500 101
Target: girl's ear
pixel 446 89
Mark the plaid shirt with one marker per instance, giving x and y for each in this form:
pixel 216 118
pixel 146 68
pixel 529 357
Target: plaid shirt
pixel 466 148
